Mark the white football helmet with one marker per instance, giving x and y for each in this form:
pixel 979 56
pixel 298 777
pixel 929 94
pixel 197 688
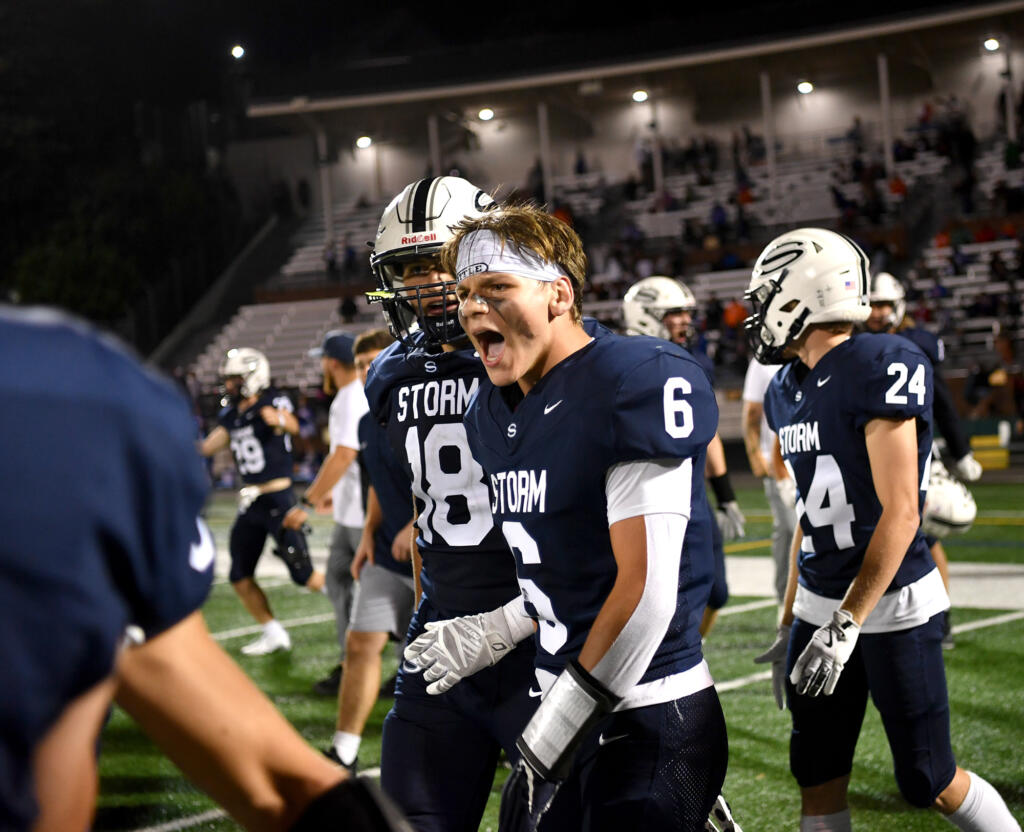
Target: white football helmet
pixel 887 289
pixel 416 224
pixel 949 507
pixel 648 301
pixel 251 366
pixel 804 277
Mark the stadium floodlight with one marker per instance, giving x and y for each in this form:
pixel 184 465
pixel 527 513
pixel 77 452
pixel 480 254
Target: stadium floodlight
pixel 363 142
pixel 991 44
pixel 805 87
pixel 486 114
pixel 238 51
pixel 639 96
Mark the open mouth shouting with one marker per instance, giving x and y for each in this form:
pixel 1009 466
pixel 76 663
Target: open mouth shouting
pixel 490 344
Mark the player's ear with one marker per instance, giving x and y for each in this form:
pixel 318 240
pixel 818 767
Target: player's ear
pixel 562 297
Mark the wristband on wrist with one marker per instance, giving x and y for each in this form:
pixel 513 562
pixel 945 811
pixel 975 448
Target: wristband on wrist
pixel 305 501
pixel 723 489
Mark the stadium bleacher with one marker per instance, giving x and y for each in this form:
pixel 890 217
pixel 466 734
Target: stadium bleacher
pixel 284 332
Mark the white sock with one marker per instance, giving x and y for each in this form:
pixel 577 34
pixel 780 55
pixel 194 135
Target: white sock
pixel 273 628
pixel 346 746
pixel 836 822
pixel 983 809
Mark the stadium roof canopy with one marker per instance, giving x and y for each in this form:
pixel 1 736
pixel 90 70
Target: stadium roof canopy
pixel 714 55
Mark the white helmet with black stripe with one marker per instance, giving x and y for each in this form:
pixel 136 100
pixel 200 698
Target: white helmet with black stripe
pixel 886 289
pixel 648 301
pixel 804 277
pixel 251 367
pixel 415 225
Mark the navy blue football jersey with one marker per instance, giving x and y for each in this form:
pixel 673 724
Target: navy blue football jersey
pixel 262 452
pixel 929 343
pixel 99 524
pixel 619 399
pixel 388 478
pixel 421 397
pixel 820 417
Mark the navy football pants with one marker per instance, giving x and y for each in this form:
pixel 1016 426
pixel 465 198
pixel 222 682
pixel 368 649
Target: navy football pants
pixel 439 753
pixel 906 677
pixel 656 769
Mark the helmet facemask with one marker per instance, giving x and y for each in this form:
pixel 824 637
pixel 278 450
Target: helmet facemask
pixel 765 341
pixel 807 276
pixel 415 225
pixel 420 308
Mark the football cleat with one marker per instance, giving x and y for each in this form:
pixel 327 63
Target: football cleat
pixel 268 643
pixel 720 818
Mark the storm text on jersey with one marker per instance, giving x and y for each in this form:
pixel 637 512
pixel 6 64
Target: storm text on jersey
pixel 446 397
pixel 519 491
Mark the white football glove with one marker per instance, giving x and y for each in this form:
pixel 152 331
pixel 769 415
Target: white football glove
pixel 776 654
pixel 453 649
pixel 787 492
pixel 819 665
pixel 730 520
pixel 968 468
pixel 721 819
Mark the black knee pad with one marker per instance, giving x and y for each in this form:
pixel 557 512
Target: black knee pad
pixel 293 550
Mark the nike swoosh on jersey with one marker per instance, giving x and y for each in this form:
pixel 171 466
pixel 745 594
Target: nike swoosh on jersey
pixel 603 740
pixel 823 381
pixel 535 693
pixel 549 407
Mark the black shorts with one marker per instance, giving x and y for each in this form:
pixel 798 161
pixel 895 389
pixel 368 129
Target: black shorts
pixel 249 535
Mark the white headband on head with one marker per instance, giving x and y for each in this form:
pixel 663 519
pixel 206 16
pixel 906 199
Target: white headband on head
pixel 484 251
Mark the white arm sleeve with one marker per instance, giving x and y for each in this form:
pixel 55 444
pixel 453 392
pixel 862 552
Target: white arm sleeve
pixel 652 486
pixel 629 655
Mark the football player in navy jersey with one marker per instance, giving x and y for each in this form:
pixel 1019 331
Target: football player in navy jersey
pixel 129 550
pixel 864 600
pixel 258 422
pixel 419 389
pixel 664 308
pixel 888 314
pixel 594 445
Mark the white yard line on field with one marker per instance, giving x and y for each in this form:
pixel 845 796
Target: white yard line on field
pixel 721 687
pixel 252 629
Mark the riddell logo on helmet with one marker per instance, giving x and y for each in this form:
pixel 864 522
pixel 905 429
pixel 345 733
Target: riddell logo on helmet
pixel 420 238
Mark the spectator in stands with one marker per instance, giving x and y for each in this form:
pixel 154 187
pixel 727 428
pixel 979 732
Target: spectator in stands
pixel 564 213
pixel 985 233
pixel 713 313
pixel 330 258
pixel 347 309
pixel 719 220
pixel 855 135
pixel 580 166
pixel 735 314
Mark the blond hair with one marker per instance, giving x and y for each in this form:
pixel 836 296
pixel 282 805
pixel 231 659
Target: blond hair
pixel 528 227
pixel 372 339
